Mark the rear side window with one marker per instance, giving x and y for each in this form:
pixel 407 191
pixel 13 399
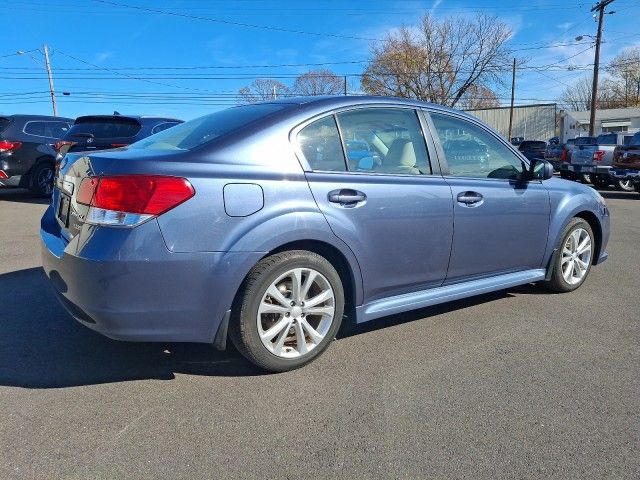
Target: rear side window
pixel 533 145
pixel 321 147
pixel 58 129
pixel 37 128
pixel 105 128
pixel 197 132
pixel 163 126
pixel 384 140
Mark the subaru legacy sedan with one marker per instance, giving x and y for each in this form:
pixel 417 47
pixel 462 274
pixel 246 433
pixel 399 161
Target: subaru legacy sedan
pixel 268 223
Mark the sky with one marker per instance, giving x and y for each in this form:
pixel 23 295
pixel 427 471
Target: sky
pixel 187 58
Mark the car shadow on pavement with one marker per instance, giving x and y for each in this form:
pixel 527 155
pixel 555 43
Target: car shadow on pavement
pixel 21 195
pixel 41 346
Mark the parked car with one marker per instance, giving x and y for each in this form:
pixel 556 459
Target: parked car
pixel 596 159
pixel 553 153
pixel 533 149
pixel 570 171
pixel 101 132
pixel 26 157
pixel 563 166
pixel 250 222
pixel 626 162
pixel 515 141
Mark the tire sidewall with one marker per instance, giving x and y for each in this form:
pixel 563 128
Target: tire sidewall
pixel 253 296
pixel 35 188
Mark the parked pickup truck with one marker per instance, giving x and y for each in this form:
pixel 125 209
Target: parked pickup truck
pixel 566 170
pixel 596 160
pixel 626 162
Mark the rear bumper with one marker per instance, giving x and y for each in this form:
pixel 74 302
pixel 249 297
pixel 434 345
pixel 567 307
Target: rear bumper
pixel 14 181
pixel 597 169
pixel 126 285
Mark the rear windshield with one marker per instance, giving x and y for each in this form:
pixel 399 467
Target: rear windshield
pixel 4 122
pixel 586 141
pixel 105 128
pixel 607 139
pixel 197 132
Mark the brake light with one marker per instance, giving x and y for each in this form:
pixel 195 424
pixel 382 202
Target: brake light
pixel 563 155
pixel 129 200
pixel 8 146
pixel 118 145
pixel 62 143
pixel 3 174
pixel 598 155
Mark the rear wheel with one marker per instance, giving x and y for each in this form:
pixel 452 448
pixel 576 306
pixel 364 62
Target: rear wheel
pixel 290 310
pixel 573 262
pixel 42 179
pixel 625 185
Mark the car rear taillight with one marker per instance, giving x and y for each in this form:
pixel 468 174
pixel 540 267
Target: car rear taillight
pixel 129 200
pixel 62 143
pixel 3 174
pixel 8 146
pixel 598 155
pixel 563 155
pixel 118 145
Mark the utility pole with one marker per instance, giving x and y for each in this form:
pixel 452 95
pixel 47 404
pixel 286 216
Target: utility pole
pixel 599 7
pixel 345 85
pixel 50 75
pixel 513 92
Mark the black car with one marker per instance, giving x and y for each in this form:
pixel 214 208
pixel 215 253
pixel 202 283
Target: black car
pixel 26 157
pixel 102 132
pixel 533 148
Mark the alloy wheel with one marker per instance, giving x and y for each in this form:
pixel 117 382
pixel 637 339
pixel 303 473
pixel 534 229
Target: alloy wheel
pixel 576 256
pixel 296 312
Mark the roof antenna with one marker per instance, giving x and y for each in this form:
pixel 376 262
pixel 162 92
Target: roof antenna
pixel 116 113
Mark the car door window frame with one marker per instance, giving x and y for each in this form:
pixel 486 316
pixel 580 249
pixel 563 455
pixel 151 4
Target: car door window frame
pixel 423 129
pixel 443 159
pixel 46 128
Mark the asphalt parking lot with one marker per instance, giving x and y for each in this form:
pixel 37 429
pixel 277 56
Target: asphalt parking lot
pixel 517 384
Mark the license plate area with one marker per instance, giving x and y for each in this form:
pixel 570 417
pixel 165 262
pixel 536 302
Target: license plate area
pixel 64 206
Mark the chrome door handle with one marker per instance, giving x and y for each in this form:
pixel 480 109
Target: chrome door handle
pixel 469 198
pixel 346 196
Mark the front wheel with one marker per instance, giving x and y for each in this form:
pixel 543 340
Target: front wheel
pixel 573 262
pixel 290 309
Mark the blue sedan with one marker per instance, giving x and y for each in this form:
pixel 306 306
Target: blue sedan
pixel 266 223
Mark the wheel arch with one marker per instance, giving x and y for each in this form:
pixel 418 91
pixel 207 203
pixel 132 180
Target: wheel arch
pixel 594 223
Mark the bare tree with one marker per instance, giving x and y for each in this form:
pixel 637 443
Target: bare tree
pixel 440 60
pixel 318 82
pixel 578 95
pixel 479 96
pixel 262 89
pixel 625 77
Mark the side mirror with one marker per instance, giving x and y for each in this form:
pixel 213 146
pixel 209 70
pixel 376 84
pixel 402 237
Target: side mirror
pixel 365 163
pixel 540 169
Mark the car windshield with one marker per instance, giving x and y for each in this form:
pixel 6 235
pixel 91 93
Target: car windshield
pixel 194 133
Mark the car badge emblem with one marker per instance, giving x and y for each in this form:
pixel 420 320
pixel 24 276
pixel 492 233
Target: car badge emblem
pixel 89 140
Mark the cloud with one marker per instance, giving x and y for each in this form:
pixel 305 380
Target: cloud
pixel 565 26
pixel 435 5
pixel 102 57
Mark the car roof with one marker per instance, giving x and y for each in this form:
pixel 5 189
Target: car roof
pixel 26 116
pixel 337 101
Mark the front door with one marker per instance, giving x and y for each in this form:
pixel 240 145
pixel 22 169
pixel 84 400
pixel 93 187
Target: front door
pixel 382 199
pixel 501 222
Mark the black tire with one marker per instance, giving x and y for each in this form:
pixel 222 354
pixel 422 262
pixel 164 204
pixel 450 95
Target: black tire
pixel 41 183
pixel 243 328
pixel 566 175
pixel 625 185
pixel 557 283
pixel 600 181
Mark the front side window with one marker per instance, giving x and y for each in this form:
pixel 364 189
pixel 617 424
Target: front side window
pixel 471 151
pixel 321 147
pixel 384 140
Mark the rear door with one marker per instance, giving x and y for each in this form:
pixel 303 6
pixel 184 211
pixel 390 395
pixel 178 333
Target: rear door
pixel 501 223
pixel 387 201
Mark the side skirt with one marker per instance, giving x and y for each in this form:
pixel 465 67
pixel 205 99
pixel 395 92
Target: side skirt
pixel 448 293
